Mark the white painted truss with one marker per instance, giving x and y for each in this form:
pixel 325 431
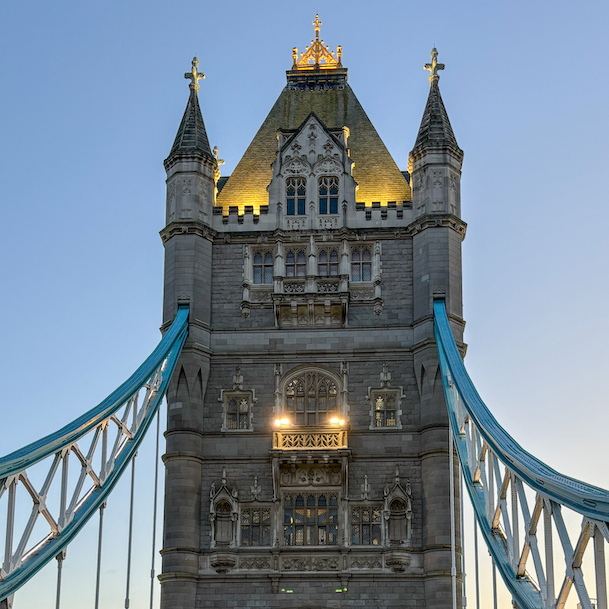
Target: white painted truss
pixel 50 489
pixel 539 526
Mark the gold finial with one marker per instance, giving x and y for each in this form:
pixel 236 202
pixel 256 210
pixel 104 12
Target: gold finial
pixel 194 75
pixel 316 24
pixel 434 66
pixel 317 56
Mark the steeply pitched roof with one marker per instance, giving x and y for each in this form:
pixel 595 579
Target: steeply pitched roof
pixel 375 171
pixel 191 136
pixel 435 130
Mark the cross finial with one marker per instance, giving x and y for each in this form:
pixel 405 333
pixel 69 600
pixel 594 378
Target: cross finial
pixel 194 75
pixel 317 24
pixel 434 66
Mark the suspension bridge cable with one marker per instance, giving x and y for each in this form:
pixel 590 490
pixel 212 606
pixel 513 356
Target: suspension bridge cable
pixel 99 554
pixel 464 599
pixel 476 567
pixel 130 531
pixel 453 570
pixel 494 584
pixel 154 508
pixel 60 557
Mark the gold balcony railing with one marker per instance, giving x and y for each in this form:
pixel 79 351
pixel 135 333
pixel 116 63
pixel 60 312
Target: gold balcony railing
pixel 310 440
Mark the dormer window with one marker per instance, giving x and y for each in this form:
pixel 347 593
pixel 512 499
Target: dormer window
pixel 296 190
pixel 361 264
pixel 295 264
pixel 263 267
pixel 328 195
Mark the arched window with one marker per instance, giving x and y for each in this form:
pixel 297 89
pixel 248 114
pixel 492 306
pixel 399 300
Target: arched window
pixel 311 398
pixel 296 190
pixel 263 267
pixel 361 264
pixel 328 195
pixel 327 263
pixel 295 264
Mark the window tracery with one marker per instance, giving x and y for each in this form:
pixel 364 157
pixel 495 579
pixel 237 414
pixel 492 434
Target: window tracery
pixel 361 264
pixel 296 190
pixel 366 526
pixel 310 519
pixel 295 264
pixel 327 263
pixel 328 195
pixel 256 526
pixel 311 397
pixel 263 267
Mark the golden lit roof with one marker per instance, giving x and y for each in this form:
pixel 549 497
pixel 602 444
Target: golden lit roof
pixel 317 56
pixel 376 173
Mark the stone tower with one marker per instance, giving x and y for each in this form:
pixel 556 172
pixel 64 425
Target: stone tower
pixel 307 460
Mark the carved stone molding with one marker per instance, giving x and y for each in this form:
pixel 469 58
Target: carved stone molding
pixel 255 563
pixel 310 563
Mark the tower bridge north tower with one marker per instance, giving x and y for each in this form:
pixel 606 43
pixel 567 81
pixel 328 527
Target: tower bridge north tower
pixel 307 460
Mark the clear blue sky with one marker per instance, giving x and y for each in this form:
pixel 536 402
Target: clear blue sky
pixel 92 95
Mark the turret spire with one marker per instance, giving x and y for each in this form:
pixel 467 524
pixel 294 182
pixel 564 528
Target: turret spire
pixel 191 138
pixel 435 130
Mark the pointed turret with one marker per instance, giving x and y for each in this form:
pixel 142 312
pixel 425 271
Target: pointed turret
pixel 191 138
pixel 192 169
pixel 436 159
pixel 435 166
pixel 435 130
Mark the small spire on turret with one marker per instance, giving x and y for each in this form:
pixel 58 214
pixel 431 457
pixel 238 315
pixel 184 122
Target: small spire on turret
pixel 191 137
pixel 434 66
pixel 435 130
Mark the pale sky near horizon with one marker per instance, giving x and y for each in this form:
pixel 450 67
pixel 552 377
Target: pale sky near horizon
pixel 92 95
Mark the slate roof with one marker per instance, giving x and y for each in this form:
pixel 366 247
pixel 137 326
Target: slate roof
pixel 435 130
pixel 191 137
pixel 375 171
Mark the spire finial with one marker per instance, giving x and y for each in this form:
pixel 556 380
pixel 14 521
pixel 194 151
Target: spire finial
pixel 194 75
pixel 318 56
pixel 317 24
pixel 434 66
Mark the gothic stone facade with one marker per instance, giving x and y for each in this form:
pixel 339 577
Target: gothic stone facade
pixel 307 458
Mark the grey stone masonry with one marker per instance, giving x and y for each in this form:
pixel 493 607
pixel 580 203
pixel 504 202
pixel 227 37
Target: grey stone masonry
pixel 307 460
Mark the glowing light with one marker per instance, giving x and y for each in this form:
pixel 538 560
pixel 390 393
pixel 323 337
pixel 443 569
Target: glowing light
pixel 282 422
pixel 334 420
pixel 277 422
pixel 341 422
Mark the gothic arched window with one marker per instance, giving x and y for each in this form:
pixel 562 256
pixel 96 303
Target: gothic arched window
pixel 327 263
pixel 328 195
pixel 295 264
pixel 311 398
pixel 296 190
pixel 263 267
pixel 361 264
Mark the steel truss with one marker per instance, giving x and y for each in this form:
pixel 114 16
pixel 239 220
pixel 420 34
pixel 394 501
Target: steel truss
pixel 514 494
pixel 112 433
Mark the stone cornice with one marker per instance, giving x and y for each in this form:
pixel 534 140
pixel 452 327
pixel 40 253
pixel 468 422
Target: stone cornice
pixel 437 221
pixel 187 227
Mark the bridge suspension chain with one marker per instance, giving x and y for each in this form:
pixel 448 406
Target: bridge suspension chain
pixel 513 493
pixel 112 433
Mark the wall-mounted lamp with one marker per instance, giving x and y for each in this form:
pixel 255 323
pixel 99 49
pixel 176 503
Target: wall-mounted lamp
pixel 337 421
pixel 282 422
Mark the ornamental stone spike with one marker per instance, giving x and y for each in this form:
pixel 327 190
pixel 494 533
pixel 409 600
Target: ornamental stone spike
pixel 194 75
pixel 434 66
